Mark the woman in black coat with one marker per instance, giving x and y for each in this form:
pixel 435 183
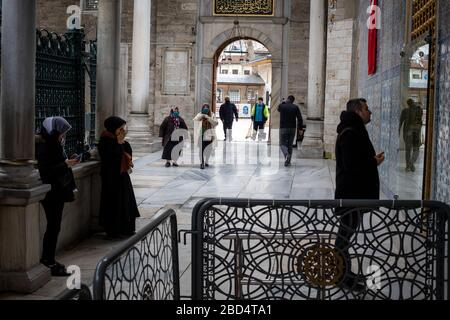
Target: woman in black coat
pixel 168 127
pixel 55 170
pixel 118 208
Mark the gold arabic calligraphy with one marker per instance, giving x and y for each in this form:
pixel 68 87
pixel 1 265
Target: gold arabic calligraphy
pixel 243 7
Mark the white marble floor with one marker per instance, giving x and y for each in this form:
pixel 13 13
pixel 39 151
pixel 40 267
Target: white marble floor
pixel 237 171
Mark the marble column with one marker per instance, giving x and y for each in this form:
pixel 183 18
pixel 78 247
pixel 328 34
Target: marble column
pixel 139 132
pixel 124 63
pixel 206 82
pixel 312 146
pixel 108 61
pixel 20 188
pixel 276 97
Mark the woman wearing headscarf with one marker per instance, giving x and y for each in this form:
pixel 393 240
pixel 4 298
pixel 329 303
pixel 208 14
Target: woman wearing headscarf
pixel 168 127
pixel 55 170
pixel 118 208
pixel 206 134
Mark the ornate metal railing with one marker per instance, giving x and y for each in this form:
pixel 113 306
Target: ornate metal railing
pixel 76 294
pixel 143 268
pixel 60 82
pixel 93 87
pixel 249 249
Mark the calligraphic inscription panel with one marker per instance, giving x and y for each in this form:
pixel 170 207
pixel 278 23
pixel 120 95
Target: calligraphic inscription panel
pixel 244 7
pixel 176 72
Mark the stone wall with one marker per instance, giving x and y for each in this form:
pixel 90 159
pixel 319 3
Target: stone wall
pixel 442 158
pixel 382 90
pixel 175 25
pixel 176 21
pixel 52 15
pixel 338 74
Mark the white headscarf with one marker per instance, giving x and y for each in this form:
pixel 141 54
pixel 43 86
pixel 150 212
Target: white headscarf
pixel 58 124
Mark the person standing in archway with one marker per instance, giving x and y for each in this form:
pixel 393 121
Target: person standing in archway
pixel 290 120
pixel 227 113
pixel 260 115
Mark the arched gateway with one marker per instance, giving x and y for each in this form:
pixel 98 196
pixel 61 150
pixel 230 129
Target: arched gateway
pixel 211 44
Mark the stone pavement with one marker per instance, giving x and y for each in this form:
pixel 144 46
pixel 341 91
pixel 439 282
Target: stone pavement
pixel 239 170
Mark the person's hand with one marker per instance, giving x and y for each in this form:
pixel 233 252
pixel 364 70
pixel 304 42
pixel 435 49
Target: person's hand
pixel 72 162
pixel 380 158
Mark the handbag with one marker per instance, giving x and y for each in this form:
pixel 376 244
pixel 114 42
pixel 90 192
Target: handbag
pixel 65 185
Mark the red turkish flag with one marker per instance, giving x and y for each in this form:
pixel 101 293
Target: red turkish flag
pixel 372 48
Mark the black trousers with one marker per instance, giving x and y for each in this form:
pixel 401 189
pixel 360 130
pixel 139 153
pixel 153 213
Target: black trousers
pixel 258 125
pixel 53 211
pixel 204 156
pixel 227 126
pixel 412 146
pixel 287 137
pixel 349 223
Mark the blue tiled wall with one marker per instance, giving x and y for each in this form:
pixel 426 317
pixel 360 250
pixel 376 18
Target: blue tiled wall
pixel 382 90
pixel 383 93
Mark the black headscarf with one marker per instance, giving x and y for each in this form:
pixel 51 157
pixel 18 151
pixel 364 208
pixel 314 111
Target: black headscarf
pixel 114 123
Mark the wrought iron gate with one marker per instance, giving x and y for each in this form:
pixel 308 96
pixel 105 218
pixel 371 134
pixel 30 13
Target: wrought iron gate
pixel 93 87
pixel 143 268
pixel 60 82
pixel 252 250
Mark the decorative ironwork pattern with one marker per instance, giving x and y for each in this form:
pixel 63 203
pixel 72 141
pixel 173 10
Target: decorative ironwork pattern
pixel 244 7
pixel 321 265
pixel 145 267
pixel 60 83
pixel 93 86
pixel 252 250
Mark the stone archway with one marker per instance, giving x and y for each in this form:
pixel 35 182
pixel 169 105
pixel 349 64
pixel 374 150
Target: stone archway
pixel 212 43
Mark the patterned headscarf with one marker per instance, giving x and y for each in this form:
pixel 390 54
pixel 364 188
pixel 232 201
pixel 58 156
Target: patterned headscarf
pixel 56 125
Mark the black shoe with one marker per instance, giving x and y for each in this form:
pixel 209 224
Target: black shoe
pixel 206 165
pixel 59 271
pixel 288 161
pixel 202 166
pixel 167 164
pixel 175 164
pixel 412 168
pixel 56 269
pixel 353 284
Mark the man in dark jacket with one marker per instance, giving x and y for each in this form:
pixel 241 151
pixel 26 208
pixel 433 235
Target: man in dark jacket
pixel 290 120
pixel 356 178
pixel 227 113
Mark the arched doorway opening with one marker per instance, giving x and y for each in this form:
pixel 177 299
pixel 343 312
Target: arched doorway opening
pixel 242 71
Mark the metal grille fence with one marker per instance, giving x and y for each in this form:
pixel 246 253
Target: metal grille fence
pixel 60 82
pixel 145 267
pixel 301 250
